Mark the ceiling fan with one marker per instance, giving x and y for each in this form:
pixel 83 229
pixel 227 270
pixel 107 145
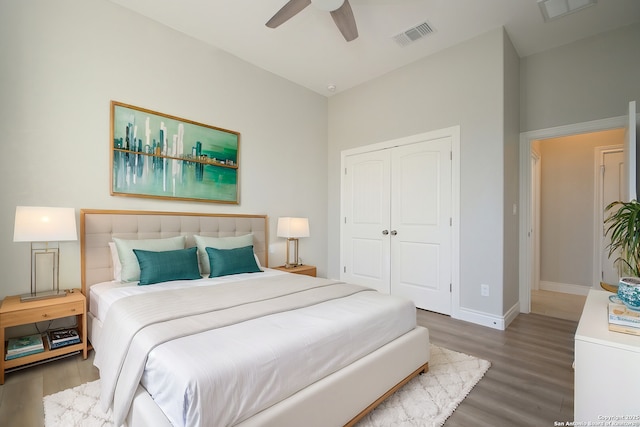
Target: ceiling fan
pixel 340 12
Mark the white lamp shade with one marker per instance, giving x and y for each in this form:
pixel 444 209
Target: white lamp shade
pixel 42 224
pixel 293 227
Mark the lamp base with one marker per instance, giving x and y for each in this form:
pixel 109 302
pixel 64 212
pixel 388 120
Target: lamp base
pixel 42 295
pixel 293 265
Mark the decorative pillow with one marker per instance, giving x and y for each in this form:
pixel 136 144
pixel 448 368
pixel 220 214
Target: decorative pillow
pixel 115 261
pixel 130 267
pixel 165 266
pixel 231 242
pixel 223 262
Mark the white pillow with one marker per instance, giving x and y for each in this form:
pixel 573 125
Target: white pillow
pixel 115 260
pixel 130 266
pixel 232 242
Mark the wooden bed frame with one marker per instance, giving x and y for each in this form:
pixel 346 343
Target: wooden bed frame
pixel 342 398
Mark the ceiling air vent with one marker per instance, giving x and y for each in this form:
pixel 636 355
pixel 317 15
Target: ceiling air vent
pixel 413 34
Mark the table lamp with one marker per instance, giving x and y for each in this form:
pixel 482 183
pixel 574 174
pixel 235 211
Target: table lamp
pixel 292 229
pixel 44 227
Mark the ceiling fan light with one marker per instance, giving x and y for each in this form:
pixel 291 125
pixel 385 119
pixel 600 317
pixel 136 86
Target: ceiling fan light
pixel 327 5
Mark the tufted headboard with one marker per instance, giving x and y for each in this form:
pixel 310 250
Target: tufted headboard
pixel 99 227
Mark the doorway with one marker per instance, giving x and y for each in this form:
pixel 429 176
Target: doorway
pixel 528 249
pixel 573 179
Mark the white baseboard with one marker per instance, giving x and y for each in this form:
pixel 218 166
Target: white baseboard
pixel 485 319
pixel 480 318
pixel 511 314
pixel 566 288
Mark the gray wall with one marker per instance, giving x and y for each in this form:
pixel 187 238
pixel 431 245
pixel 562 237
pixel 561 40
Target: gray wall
pixel 462 86
pixel 64 61
pixel 587 80
pixel 511 174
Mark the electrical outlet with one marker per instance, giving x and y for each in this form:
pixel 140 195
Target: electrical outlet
pixel 484 290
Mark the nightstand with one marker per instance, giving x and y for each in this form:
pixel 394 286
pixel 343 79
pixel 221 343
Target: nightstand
pixel 309 270
pixel 14 313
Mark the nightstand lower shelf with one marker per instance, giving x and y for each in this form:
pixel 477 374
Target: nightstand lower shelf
pixel 43 356
pixel 39 362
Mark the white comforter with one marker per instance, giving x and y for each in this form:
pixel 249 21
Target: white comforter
pixel 227 374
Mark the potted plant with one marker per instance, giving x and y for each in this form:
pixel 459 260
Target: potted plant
pixel 624 230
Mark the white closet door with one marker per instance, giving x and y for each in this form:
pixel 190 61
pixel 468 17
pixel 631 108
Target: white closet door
pixel 421 245
pixel 366 199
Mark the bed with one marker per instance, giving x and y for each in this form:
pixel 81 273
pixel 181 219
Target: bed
pixel 254 348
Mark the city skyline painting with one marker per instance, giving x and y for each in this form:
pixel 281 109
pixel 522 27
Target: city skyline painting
pixel 161 156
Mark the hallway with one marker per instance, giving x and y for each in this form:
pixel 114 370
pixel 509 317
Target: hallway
pixel 557 304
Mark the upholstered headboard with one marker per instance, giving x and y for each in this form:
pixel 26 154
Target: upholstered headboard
pixel 99 227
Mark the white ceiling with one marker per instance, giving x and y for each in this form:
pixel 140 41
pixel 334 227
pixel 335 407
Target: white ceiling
pixel 309 50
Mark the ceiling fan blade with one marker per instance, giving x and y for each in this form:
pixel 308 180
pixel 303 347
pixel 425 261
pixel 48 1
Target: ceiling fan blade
pixel 344 19
pixel 289 10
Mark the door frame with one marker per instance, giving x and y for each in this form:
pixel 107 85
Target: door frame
pixel 534 241
pixel 599 215
pixel 452 132
pixel 526 141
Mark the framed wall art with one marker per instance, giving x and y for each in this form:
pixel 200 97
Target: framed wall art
pixel 161 156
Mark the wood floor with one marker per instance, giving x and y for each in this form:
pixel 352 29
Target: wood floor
pixel 22 392
pixel 557 304
pixel 530 382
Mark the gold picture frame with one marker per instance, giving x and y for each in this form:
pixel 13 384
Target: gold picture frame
pixel 161 156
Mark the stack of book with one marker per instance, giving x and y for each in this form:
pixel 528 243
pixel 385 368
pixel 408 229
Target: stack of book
pixel 623 319
pixel 62 337
pixel 24 346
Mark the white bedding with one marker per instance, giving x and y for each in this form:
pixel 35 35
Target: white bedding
pixel 102 295
pixel 259 362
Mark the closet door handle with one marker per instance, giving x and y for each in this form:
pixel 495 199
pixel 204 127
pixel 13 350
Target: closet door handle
pixel 394 232
pixel 385 232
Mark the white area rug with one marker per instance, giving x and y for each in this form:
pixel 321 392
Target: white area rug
pixel 427 400
pixel 78 406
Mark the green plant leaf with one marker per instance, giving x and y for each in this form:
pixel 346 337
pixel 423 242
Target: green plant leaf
pixel 623 227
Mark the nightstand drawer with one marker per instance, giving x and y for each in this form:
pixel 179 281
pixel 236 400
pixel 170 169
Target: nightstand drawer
pixel 21 317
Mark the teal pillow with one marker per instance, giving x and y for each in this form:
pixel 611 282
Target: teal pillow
pixel 130 268
pixel 156 267
pixel 223 262
pixel 229 242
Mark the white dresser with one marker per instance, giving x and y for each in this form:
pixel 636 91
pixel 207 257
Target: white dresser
pixel 607 368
